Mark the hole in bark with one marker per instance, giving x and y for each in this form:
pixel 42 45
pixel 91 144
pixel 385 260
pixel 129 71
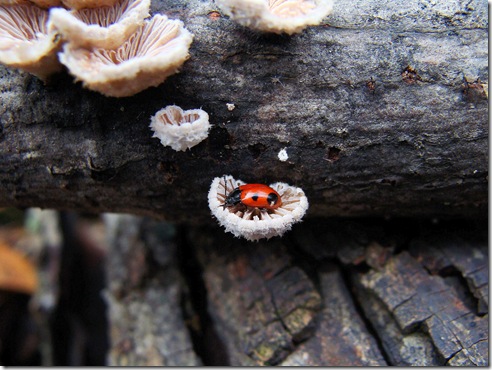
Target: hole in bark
pixel 410 75
pixel 257 149
pixel 333 154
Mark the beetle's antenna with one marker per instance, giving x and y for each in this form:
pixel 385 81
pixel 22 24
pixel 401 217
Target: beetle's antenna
pixel 225 193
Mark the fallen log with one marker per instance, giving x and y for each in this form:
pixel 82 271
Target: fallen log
pixel 382 110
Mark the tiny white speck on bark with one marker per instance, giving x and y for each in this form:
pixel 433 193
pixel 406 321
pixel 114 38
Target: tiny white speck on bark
pixel 282 155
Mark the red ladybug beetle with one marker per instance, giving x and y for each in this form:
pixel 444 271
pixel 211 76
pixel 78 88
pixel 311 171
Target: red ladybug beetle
pixel 253 195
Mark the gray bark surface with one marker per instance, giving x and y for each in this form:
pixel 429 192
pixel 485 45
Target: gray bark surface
pixel 381 110
pixel 147 324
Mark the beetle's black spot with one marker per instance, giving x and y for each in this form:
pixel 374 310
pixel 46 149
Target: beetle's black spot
pixel 272 198
pixel 255 197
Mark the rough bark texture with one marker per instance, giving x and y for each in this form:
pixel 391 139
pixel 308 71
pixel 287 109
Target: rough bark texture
pixel 144 294
pixel 373 108
pixel 382 111
pixel 382 293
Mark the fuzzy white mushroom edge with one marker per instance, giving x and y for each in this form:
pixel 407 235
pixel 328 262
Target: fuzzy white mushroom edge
pixel 180 129
pixel 277 16
pixel 105 27
pixel 155 51
pixel 253 223
pixel 25 41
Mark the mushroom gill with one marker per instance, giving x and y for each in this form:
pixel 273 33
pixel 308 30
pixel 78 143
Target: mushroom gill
pixel 277 16
pixel 254 223
pixel 180 129
pixel 25 41
pixel 153 52
pixel 105 27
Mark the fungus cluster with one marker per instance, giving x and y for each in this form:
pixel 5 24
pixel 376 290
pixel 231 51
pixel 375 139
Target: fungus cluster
pixel 25 41
pixel 114 48
pixel 277 16
pixel 254 223
pixel 180 129
pixel 109 45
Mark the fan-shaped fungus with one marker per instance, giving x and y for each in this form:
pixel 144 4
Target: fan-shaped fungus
pixel 180 129
pixel 155 51
pixel 254 223
pixel 25 41
pixel 105 27
pixel 277 16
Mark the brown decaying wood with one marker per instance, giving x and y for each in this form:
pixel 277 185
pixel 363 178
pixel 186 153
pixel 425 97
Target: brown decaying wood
pixel 372 108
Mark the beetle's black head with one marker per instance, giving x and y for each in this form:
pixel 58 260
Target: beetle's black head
pixel 234 198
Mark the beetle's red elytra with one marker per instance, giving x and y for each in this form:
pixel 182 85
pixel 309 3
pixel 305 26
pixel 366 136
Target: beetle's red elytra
pixel 254 195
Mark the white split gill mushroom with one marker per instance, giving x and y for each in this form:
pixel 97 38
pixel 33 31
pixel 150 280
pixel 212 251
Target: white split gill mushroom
pixel 81 4
pixel 180 129
pixel 155 51
pixel 105 27
pixel 25 41
pixel 277 16
pixel 254 223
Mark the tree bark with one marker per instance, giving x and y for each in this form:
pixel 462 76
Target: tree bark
pixel 381 110
pixel 353 293
pixel 144 296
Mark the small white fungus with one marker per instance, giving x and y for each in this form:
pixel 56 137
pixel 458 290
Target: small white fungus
pixel 254 223
pixel 180 129
pixel 282 155
pixel 230 106
pixel 278 16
